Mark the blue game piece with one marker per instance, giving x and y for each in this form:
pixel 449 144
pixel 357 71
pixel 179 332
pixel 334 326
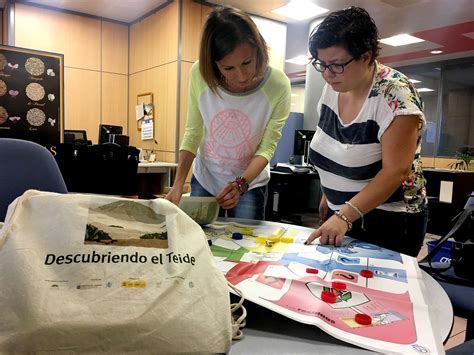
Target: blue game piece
pixel 209 242
pixel 237 236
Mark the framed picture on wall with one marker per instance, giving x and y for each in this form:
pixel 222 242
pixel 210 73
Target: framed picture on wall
pixel 31 95
pixel 146 101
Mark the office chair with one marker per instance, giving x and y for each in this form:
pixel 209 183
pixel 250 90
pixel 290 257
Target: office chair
pixel 26 165
pixel 461 294
pixel 461 297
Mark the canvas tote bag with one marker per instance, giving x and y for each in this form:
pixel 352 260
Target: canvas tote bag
pixel 87 273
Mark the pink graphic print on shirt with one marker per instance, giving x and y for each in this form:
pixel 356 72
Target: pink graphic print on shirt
pixel 229 139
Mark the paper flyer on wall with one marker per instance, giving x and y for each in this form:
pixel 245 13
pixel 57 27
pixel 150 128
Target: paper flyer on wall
pixel 203 210
pixel 147 131
pixel 139 112
pixel 273 268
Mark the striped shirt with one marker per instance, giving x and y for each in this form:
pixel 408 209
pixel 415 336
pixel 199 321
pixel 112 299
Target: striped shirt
pixel 348 156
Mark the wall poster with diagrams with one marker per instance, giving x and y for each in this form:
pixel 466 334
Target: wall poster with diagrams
pixel 31 95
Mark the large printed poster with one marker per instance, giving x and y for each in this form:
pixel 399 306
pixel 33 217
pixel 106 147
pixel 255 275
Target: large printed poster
pixel 359 293
pixel 31 92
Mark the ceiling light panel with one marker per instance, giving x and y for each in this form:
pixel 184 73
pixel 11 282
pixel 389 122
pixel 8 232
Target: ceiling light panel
pixel 300 10
pixel 424 90
pixel 299 60
pixel 401 40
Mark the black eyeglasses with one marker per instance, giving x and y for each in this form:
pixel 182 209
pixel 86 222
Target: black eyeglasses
pixel 333 68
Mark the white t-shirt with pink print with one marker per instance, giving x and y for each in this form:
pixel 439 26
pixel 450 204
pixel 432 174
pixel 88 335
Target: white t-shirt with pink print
pixel 226 131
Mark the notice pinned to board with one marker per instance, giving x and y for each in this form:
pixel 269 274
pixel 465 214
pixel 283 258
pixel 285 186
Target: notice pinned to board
pixel 139 111
pixel 147 129
pixel 446 191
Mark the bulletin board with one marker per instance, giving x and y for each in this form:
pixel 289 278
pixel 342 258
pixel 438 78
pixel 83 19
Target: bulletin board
pixel 145 116
pixel 146 102
pixel 31 95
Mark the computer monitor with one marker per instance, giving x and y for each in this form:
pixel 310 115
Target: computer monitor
pixel 303 139
pixel 75 136
pixel 106 132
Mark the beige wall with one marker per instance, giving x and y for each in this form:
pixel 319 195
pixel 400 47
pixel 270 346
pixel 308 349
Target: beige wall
pixel 95 63
pixel 154 65
pixel 1 26
pixel 101 86
pixel 108 64
pixel 297 98
pixel 439 163
pixel 153 69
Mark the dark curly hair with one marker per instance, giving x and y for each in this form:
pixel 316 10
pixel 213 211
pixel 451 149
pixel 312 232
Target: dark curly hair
pixel 351 28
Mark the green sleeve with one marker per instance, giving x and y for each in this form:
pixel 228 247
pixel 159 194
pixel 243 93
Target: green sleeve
pixel 194 124
pixel 280 99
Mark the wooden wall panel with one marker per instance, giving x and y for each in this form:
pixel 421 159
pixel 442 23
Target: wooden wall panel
pixel 437 162
pixel 82 101
pixel 205 11
pixel 77 37
pixel 161 81
pixel 154 40
pixel 183 109
pixel 90 47
pixel 1 26
pixel 428 162
pixel 191 30
pixel 168 157
pixel 114 100
pixel 114 48
pixel 165 35
pixel 194 17
pixel 183 89
pixel 139 60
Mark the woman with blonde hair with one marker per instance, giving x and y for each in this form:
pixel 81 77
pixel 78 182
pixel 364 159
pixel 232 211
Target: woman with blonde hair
pixel 237 107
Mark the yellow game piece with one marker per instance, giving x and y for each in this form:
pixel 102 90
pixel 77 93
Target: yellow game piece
pixel 274 238
pixel 261 240
pixel 278 232
pixel 287 239
pixel 247 231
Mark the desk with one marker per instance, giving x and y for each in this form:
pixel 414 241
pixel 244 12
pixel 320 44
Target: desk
pixel 102 169
pixel 290 193
pixel 154 177
pixel 269 332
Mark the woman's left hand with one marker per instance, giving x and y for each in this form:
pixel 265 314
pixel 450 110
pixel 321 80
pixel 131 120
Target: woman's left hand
pixel 330 232
pixel 229 196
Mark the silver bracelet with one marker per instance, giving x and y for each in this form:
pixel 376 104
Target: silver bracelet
pixel 355 208
pixel 342 216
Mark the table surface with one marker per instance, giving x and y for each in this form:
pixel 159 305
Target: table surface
pixel 156 164
pixel 270 332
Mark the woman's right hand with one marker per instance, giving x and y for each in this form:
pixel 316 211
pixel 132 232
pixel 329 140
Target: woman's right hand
pixel 323 208
pixel 174 194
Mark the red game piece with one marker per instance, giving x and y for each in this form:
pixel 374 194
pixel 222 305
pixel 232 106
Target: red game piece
pixel 328 297
pixel 311 270
pixel 366 273
pixel 338 285
pixel 363 319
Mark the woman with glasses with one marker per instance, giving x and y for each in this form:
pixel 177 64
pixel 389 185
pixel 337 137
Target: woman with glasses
pixel 367 144
pixel 237 108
